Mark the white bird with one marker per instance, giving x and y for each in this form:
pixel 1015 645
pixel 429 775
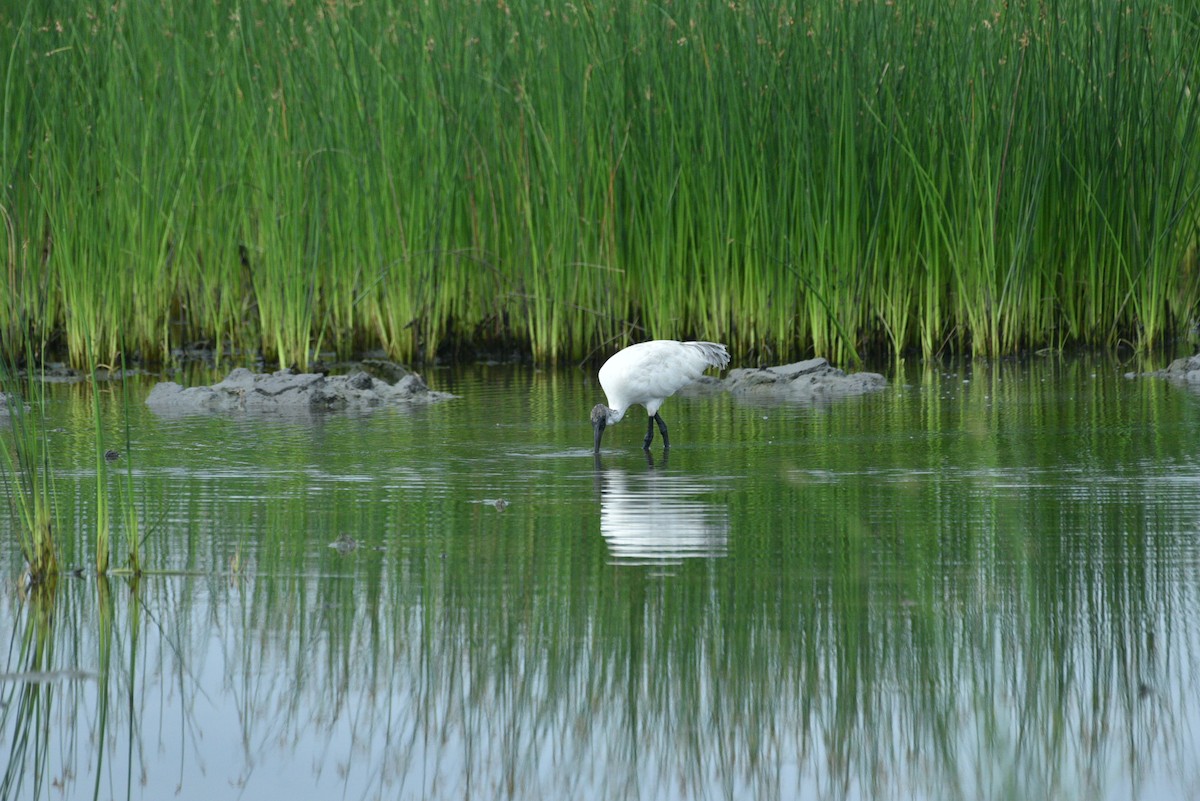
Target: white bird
pixel 648 373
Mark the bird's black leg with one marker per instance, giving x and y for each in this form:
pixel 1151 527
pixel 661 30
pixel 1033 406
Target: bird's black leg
pixel 649 433
pixel 662 428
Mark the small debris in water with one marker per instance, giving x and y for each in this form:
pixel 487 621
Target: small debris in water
pixel 344 544
pixel 111 456
pixel 48 676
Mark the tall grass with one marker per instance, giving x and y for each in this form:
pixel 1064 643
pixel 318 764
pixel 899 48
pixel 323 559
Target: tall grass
pixel 826 177
pixel 30 475
pixel 26 474
pixel 114 489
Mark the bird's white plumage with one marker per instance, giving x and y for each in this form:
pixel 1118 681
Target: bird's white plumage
pixel 650 372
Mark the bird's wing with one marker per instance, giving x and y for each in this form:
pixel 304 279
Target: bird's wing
pixel 652 371
pixel 713 353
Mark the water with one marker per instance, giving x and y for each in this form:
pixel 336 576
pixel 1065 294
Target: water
pixel 981 583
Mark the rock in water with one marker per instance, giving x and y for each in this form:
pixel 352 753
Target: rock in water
pixel 805 380
pixel 1184 371
pixel 288 391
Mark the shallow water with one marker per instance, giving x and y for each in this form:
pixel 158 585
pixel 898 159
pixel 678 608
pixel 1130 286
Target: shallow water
pixel 980 583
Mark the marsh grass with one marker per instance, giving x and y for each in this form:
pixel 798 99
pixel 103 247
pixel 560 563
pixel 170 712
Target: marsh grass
pixel 127 490
pixel 835 177
pixel 116 491
pixel 27 474
pixel 29 477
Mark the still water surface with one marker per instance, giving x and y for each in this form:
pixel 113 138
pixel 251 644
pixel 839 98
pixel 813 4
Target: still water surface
pixel 980 583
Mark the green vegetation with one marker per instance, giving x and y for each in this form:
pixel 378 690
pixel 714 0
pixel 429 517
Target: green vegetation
pixel 26 479
pixel 834 177
pixel 31 472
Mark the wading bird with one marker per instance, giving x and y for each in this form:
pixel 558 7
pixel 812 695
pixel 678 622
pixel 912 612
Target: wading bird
pixel 648 373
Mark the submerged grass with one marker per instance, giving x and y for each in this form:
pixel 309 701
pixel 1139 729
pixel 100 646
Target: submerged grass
pixel 831 177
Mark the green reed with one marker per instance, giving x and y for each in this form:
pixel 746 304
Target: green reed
pixel 31 468
pixel 103 517
pixel 831 178
pixel 27 474
pixel 127 491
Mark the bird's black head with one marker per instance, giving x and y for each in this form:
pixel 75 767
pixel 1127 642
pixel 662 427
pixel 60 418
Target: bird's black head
pixel 599 421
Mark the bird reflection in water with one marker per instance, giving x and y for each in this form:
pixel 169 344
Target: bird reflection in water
pixel 659 518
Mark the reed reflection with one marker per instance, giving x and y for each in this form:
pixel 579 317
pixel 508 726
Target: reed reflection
pixel 658 517
pixel 28 686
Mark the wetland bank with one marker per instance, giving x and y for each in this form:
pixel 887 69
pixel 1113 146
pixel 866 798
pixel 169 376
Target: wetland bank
pixel 979 581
